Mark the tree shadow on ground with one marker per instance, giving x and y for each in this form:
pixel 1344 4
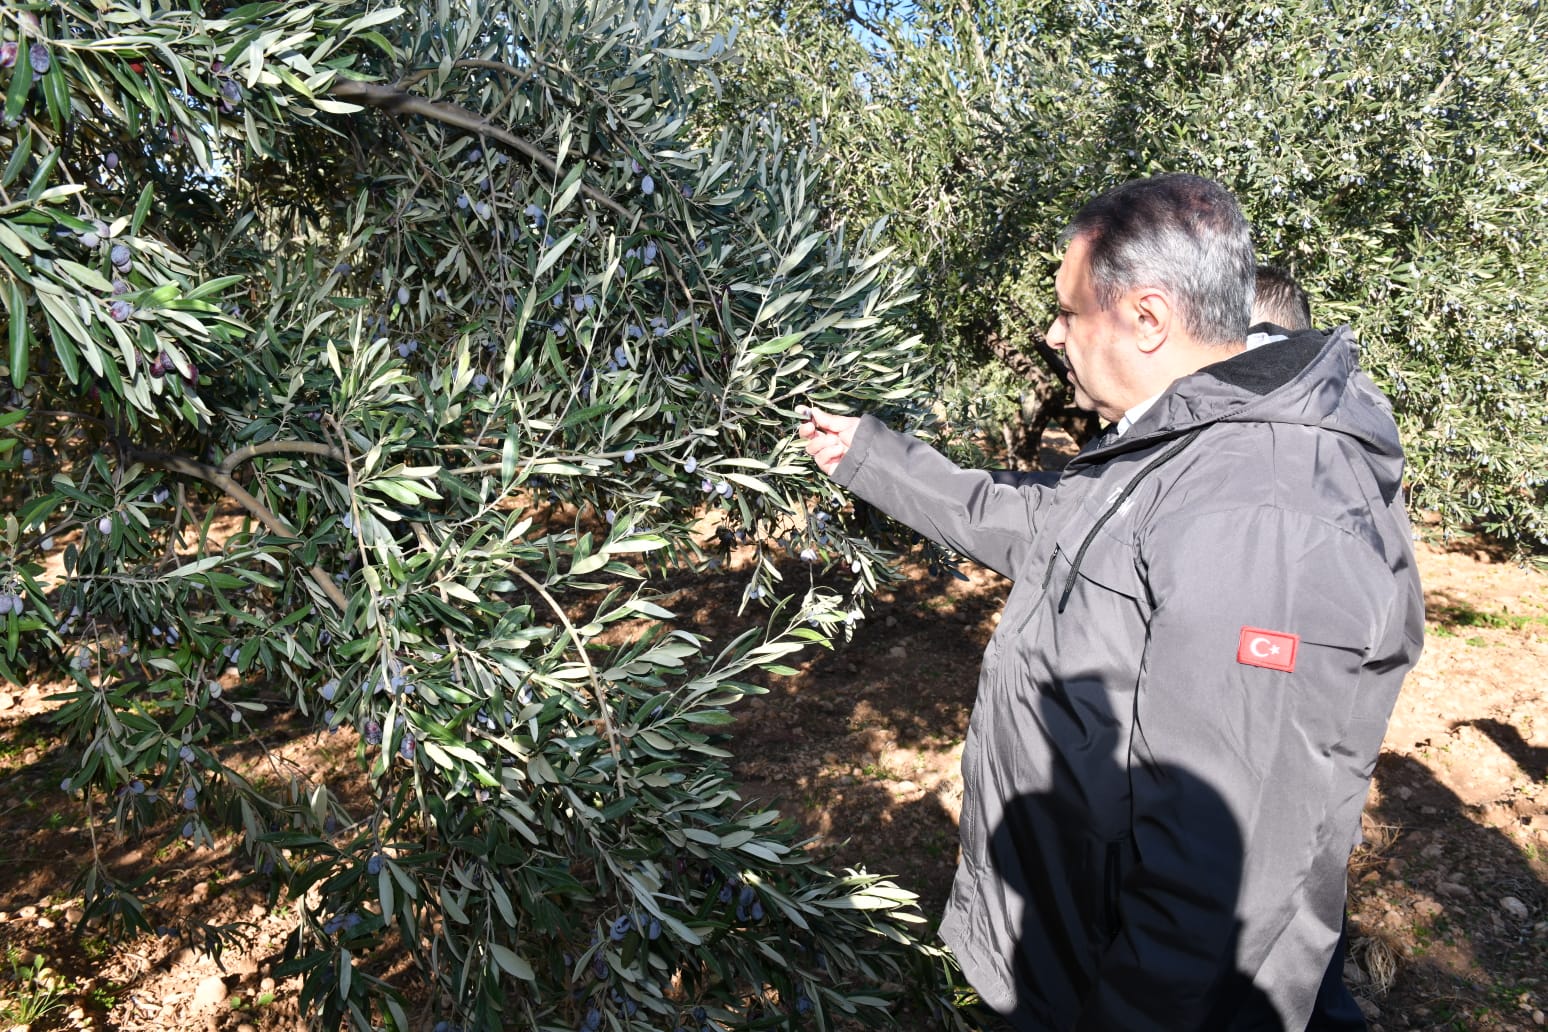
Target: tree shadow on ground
pixel 1476 542
pixel 1532 759
pixel 1453 613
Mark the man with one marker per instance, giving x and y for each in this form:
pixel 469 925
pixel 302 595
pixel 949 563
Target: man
pixel 1280 308
pixel 1213 609
pixel 1278 300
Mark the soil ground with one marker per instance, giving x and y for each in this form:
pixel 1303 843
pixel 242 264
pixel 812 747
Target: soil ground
pixel 1449 893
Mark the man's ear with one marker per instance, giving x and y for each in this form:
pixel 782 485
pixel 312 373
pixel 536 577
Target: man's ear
pixel 1153 314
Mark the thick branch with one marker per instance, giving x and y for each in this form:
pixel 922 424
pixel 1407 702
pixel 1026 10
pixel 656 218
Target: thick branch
pixel 252 451
pixel 221 479
pixel 398 101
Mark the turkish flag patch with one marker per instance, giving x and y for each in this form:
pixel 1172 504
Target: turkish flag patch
pixel 1272 649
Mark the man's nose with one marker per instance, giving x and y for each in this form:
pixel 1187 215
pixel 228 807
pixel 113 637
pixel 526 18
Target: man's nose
pixel 1055 334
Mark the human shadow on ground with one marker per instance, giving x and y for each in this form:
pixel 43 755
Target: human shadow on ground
pixel 1120 917
pixel 1434 895
pixel 1174 960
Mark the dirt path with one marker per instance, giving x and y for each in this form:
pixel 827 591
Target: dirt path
pixel 1449 895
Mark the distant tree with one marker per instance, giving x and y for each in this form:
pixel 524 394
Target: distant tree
pixel 470 310
pixel 1394 156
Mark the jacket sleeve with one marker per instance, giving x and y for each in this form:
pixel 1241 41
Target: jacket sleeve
pixel 964 510
pixel 1232 767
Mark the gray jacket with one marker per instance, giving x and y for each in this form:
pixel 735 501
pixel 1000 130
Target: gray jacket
pixel 1179 713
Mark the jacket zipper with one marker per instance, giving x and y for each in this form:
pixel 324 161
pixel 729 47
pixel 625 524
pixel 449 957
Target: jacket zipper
pixel 1048 574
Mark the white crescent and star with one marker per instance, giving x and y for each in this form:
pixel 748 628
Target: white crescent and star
pixel 1269 648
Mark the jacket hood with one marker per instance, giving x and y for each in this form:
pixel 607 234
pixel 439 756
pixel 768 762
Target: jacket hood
pixel 1309 378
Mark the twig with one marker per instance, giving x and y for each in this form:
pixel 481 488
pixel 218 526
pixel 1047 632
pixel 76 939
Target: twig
pixel 221 479
pixel 672 445
pixel 597 691
pixel 521 76
pixel 394 100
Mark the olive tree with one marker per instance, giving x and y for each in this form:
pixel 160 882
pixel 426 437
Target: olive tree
pixel 477 314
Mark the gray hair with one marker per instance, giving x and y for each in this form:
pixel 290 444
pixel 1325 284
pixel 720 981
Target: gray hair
pixel 1179 232
pixel 1280 300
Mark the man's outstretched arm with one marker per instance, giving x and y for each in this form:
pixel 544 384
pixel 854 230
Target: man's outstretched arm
pixel 964 510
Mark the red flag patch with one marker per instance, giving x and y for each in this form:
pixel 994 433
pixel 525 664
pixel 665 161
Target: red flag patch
pixel 1272 649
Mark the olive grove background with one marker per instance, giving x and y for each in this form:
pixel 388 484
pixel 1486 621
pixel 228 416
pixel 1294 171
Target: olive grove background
pixel 401 283
pixel 1393 156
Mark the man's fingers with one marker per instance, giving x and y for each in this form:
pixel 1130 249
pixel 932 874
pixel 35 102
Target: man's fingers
pixel 827 451
pixel 824 420
pixel 825 436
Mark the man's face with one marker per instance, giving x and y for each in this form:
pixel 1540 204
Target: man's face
pixel 1099 346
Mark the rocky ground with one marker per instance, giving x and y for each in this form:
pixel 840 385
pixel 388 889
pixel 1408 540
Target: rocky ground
pixel 1449 894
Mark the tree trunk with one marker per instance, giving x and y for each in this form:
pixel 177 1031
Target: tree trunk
pixel 1045 399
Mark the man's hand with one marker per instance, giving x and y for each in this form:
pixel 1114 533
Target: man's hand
pixel 827 436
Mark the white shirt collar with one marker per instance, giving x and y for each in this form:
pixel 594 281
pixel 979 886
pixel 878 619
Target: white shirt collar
pixel 1132 416
pixel 1257 340
pixel 1254 340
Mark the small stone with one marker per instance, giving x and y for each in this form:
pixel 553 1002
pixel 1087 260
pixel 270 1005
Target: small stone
pixel 1456 890
pixel 27 913
pixel 1368 1008
pixel 266 986
pixel 897 652
pixel 1515 908
pixel 211 991
pixel 45 922
pixel 7 700
pixel 74 915
pixel 245 1027
pixel 76 1014
pixel 1538 1018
